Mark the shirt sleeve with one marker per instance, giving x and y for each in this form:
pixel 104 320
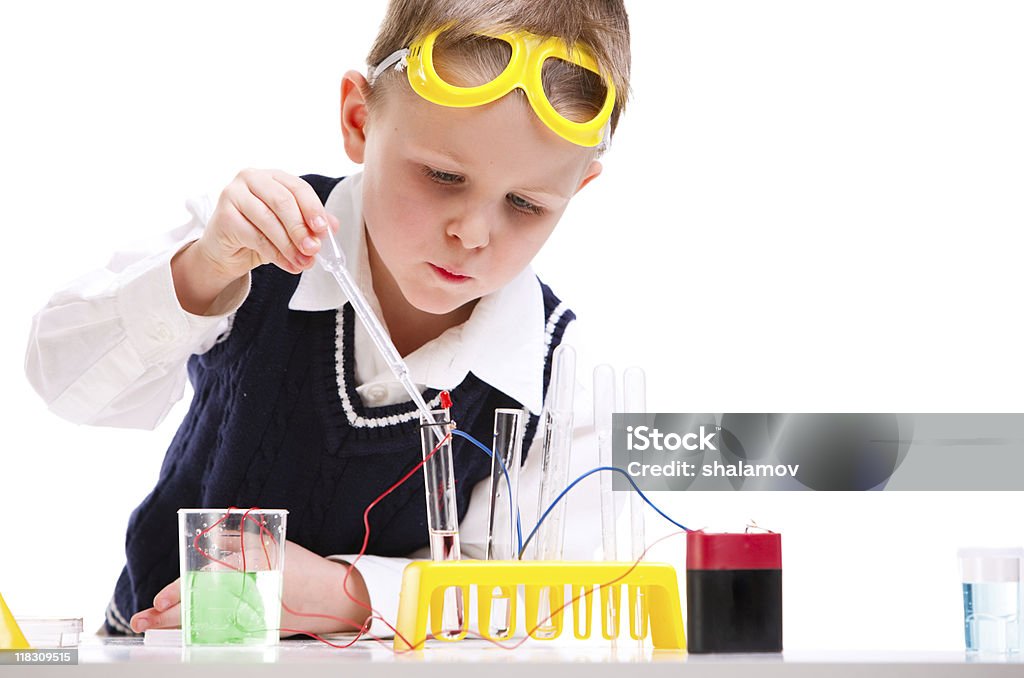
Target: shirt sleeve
pixel 383 578
pixel 582 537
pixel 111 348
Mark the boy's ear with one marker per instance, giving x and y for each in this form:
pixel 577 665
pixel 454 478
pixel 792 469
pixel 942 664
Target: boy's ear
pixel 354 90
pixel 592 172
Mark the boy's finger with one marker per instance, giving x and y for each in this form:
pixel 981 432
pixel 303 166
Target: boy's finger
pixel 168 595
pixel 313 212
pixel 266 224
pixel 140 621
pixel 258 242
pixel 283 203
pixel 152 619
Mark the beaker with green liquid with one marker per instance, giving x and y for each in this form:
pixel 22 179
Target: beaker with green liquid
pixel 232 571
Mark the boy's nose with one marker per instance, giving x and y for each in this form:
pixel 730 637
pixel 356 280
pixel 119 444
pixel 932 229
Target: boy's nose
pixel 471 227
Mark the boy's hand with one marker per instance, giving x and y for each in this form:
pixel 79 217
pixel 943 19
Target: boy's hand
pixel 264 217
pixel 165 613
pixel 312 585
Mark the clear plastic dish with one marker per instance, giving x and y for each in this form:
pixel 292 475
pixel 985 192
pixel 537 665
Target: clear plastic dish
pixel 51 631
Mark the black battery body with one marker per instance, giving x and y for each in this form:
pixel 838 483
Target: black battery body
pixel 734 592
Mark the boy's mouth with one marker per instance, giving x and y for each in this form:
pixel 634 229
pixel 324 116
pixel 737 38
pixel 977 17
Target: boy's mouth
pixel 448 274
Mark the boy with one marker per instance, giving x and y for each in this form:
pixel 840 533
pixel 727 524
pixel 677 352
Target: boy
pixel 293 408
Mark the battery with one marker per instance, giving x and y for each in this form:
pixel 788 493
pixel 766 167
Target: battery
pixel 734 592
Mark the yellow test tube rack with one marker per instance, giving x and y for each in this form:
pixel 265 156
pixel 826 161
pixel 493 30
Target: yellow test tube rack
pixel 424 584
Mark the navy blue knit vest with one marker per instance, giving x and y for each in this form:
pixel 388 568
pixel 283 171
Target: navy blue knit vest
pixel 268 427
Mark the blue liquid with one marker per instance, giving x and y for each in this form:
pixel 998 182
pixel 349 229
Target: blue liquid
pixel 992 617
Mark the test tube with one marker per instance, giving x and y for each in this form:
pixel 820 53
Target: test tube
pixel 509 426
pixel 503 510
pixel 442 509
pixel 556 451
pixel 634 399
pixel 557 448
pixel 604 405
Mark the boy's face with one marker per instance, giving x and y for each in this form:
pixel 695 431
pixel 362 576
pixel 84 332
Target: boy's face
pixel 457 201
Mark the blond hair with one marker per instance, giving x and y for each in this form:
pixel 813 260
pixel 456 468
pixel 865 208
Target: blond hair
pixel 601 25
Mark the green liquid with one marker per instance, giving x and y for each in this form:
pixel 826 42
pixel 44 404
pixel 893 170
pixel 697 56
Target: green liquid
pixel 228 608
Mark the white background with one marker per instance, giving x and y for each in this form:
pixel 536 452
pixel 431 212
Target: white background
pixel 810 206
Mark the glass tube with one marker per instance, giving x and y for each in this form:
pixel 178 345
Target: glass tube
pixel 604 405
pixel 442 509
pixel 503 509
pixel 558 418
pixel 556 451
pixel 509 426
pixel 634 400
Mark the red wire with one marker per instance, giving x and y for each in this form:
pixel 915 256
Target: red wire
pixel 366 541
pixel 374 614
pixel 245 516
pixel 195 540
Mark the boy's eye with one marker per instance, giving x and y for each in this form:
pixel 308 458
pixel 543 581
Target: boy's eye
pixel 518 203
pixel 442 177
pixel 523 205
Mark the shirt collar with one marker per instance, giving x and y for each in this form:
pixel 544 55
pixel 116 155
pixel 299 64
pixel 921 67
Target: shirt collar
pixel 502 342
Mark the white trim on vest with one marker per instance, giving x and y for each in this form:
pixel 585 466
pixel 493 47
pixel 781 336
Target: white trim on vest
pixel 346 404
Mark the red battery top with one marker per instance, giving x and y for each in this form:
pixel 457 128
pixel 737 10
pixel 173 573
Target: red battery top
pixel 727 551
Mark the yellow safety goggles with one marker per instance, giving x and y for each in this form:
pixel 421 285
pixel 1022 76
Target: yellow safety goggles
pixel 529 52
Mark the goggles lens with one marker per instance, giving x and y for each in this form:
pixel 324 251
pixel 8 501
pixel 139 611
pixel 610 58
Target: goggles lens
pixel 472 62
pixel 573 91
pixel 578 92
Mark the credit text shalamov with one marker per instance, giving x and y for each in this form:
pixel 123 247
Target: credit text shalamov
pixel 643 438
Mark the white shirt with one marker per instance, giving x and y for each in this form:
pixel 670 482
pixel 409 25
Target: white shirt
pixel 112 349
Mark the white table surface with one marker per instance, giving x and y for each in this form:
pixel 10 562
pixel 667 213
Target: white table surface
pixel 293 658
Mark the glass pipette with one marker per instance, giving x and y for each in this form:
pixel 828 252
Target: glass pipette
pixel 333 260
pixel 440 496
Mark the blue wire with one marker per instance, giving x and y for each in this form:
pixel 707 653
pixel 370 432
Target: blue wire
pixel 573 484
pixel 508 483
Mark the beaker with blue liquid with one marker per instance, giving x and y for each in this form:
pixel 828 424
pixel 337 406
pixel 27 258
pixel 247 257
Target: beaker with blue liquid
pixel 992 599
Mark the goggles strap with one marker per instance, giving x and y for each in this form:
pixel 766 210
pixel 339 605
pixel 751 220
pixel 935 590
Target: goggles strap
pixel 606 137
pixel 396 59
